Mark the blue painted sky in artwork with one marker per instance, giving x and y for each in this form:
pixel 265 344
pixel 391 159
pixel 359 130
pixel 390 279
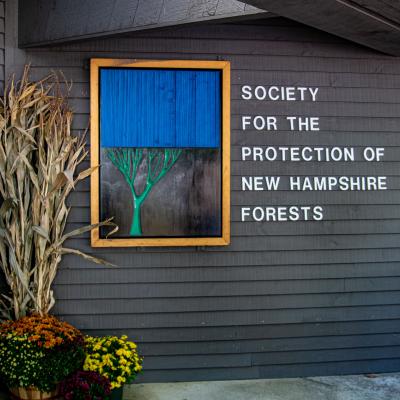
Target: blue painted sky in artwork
pixel 160 108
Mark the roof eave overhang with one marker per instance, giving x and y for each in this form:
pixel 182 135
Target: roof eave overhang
pixel 366 22
pixel 45 22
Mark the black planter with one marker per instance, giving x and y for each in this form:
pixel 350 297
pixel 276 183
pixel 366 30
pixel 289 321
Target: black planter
pixel 116 394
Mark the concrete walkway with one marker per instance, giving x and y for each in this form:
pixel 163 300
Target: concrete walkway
pixel 351 387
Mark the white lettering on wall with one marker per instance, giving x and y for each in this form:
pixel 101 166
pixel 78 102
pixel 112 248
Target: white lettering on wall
pixel 323 153
pixel 279 93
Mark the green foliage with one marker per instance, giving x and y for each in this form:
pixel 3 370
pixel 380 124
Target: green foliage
pixel 23 364
pixel 115 358
pixel 39 351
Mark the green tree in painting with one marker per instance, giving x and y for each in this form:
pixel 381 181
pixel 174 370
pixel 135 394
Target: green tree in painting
pixel 128 161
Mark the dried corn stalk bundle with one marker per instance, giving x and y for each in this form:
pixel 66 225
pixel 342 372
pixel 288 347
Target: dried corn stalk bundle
pixel 38 169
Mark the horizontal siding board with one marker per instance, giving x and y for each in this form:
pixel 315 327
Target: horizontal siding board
pixel 392 183
pixel 324 138
pixel 307 198
pixel 212 289
pixel 277 371
pixel 250 302
pixel 193 375
pixel 309 77
pixel 326 94
pixel 326 355
pixel 309 228
pixel 322 109
pixel 306 228
pixel 79 273
pixel 262 242
pixel 178 259
pixel 260 332
pixel 240 156
pixel 198 361
pixel 271 358
pixel 291 57
pixel 338 124
pixel 254 317
pixel 270 345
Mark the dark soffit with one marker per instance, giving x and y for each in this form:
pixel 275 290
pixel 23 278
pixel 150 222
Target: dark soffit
pixel 372 23
pixel 45 22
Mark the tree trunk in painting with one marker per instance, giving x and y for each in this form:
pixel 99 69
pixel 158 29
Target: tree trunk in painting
pixel 128 161
pixel 136 226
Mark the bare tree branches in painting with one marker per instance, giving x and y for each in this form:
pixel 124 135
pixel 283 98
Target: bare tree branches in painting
pixel 128 161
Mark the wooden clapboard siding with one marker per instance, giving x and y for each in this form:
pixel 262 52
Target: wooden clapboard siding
pixel 284 299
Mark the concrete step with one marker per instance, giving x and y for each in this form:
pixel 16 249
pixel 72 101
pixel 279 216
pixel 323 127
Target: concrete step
pixel 351 387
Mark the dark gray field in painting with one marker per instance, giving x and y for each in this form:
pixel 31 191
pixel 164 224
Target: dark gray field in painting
pixel 185 202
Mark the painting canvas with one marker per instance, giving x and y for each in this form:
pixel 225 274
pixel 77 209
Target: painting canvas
pixel 160 139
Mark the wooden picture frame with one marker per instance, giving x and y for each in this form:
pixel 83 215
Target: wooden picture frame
pixel 223 66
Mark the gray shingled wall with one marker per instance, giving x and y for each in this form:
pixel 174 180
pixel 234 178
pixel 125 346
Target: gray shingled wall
pixel 284 299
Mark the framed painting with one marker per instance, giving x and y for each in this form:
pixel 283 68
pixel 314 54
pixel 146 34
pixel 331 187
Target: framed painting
pixel 160 134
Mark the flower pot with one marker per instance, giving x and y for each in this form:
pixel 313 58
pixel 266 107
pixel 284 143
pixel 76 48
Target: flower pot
pixel 116 394
pixel 32 393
